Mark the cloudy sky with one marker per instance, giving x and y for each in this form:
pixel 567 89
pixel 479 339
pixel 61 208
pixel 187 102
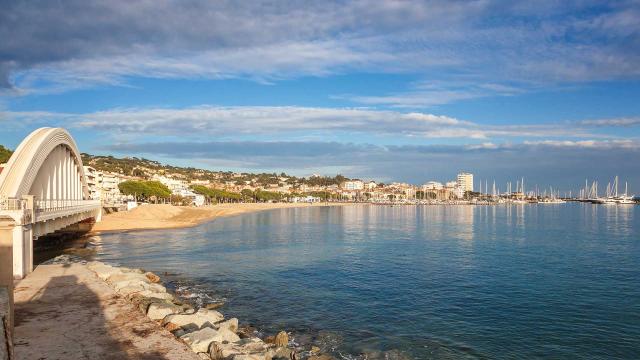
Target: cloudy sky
pixel 389 90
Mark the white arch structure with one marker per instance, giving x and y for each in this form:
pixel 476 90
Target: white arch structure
pixel 43 189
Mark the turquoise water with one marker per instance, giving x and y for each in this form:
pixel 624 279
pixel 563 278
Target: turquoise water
pixel 426 282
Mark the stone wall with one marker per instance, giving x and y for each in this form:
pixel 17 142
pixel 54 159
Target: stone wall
pixel 6 343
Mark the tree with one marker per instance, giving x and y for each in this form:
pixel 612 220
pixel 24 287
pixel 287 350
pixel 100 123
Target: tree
pixel 5 154
pixel 144 189
pixel 247 194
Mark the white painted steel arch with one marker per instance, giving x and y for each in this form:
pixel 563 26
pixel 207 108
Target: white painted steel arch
pixel 47 164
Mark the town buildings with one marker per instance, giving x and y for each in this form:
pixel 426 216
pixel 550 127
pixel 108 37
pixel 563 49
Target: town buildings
pixel 465 181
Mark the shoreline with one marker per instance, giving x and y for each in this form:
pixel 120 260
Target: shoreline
pixel 163 216
pixel 134 316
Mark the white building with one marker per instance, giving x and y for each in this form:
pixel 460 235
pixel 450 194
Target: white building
pixel 103 186
pixel 465 182
pixel 92 177
pixel 352 185
pixel 176 186
pixel 432 185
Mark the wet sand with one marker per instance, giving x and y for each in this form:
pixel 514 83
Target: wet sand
pixel 168 216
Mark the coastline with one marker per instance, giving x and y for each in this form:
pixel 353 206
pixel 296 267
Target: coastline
pixel 131 315
pixel 162 216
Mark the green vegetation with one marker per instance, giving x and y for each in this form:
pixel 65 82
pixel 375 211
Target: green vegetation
pixel 324 180
pixel 216 195
pixel 145 189
pixel 143 168
pixel 5 154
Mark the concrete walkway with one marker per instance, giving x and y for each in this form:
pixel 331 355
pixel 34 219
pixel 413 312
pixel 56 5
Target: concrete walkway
pixel 66 312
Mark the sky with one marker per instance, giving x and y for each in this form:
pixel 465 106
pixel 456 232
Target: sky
pixel 406 91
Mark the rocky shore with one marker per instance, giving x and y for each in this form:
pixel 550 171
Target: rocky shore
pixel 206 331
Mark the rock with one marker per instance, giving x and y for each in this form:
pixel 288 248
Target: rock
pixel 226 335
pixel 320 357
pixel 158 295
pixel 122 284
pixel 216 351
pixel 203 356
pixel 156 288
pixel 231 325
pixel 245 331
pixel 152 277
pixel 247 357
pixel 200 319
pixel 282 339
pixel 252 345
pixel 314 349
pixel 130 270
pixel 158 311
pixel 284 353
pixel 270 339
pixel 129 290
pixel 143 303
pixel 172 327
pixel 104 271
pixel 179 333
pixel 200 340
pixel 118 277
pixel 214 306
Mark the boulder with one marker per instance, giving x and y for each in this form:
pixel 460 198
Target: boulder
pixel 202 318
pixel 248 357
pixel 222 351
pixel 104 271
pixel 284 353
pixel 152 294
pixel 200 340
pixel 320 357
pixel 158 311
pixel 152 277
pixel 246 331
pixel 214 306
pixel 118 277
pixel 143 302
pixel 130 270
pixel 231 325
pixel 282 339
pixel 122 284
pixel 252 345
pixel 130 290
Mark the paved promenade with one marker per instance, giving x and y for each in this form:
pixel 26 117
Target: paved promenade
pixel 65 312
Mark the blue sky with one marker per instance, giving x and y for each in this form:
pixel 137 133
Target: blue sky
pixel 388 90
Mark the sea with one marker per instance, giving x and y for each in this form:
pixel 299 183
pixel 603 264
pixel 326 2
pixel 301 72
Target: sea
pixel 552 281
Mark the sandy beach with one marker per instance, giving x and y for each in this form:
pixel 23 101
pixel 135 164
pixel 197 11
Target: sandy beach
pixel 168 216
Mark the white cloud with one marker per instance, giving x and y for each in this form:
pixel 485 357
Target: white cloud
pixel 55 48
pixel 285 122
pixel 614 122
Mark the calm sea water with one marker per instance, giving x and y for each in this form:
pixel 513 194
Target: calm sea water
pixel 441 282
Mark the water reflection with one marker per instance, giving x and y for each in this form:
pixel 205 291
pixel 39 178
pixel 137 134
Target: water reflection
pixel 520 281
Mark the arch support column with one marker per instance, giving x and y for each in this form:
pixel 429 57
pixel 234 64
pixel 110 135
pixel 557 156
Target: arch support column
pixel 7 226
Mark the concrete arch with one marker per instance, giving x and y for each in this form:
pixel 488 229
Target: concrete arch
pixel 47 164
pixel 43 190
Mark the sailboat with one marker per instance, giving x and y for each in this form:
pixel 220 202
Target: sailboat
pixel 625 199
pixel 552 199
